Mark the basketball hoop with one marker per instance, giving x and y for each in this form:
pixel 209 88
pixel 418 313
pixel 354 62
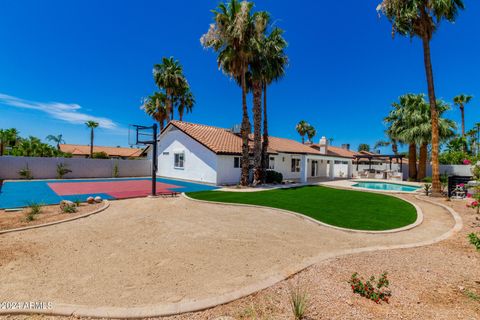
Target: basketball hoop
pixel 146 135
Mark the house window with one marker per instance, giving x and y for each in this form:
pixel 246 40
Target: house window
pixel 295 165
pixel 179 160
pixel 271 163
pixel 236 162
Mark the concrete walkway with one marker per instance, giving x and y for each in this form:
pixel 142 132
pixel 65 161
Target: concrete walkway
pixel 147 257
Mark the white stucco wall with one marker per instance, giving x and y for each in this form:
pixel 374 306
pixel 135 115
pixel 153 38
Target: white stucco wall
pixel 200 163
pixel 226 173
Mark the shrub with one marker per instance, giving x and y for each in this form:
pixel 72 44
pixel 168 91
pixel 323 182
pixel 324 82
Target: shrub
pixel 77 202
pixel 427 187
pixel 475 240
pixel 273 177
pixel 62 169
pixel 33 209
pixel 115 170
pixel 299 302
pixel 25 173
pixel 427 179
pixel 68 206
pixel 100 155
pixel 371 289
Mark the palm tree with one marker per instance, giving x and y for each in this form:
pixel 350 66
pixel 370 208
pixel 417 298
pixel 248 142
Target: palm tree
pixel 311 132
pixel 155 107
pixel 230 36
pixel 363 147
pixel 274 62
pixel 385 143
pixel 186 101
pixel 92 125
pixel 302 128
pixel 461 100
pixel 56 139
pixel 421 18
pixel 168 75
pixel 8 137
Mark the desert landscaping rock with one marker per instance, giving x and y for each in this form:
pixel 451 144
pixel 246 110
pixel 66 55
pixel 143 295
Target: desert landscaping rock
pixel 189 253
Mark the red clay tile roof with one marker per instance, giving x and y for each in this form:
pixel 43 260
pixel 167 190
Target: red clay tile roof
pixel 224 141
pixel 84 150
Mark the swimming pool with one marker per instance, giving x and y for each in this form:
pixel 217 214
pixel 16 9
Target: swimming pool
pixel 385 186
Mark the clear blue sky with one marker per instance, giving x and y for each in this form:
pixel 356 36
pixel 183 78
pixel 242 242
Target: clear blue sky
pixel 64 61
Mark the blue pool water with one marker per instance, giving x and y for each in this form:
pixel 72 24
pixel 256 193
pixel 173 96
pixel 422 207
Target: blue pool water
pixel 386 186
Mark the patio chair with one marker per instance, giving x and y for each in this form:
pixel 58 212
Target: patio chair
pixel 363 174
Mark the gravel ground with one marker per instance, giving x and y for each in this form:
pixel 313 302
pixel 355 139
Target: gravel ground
pixel 432 282
pixel 17 219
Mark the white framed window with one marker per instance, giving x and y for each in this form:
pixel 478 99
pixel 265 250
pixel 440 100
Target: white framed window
pixel 179 160
pixel 236 162
pixel 295 165
pixel 271 163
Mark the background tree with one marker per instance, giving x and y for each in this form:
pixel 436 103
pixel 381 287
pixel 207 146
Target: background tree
pixel 363 147
pixel 230 36
pixel 460 101
pixel 155 106
pixel 58 139
pixel 302 128
pixel 8 138
pixel 311 132
pixel 92 125
pixel 186 101
pixel 168 75
pixel 421 18
pixel 385 143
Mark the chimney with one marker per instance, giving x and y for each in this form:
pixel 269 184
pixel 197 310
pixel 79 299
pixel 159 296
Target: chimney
pixel 323 144
pixel 346 146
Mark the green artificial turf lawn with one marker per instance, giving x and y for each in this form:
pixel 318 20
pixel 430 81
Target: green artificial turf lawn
pixel 342 208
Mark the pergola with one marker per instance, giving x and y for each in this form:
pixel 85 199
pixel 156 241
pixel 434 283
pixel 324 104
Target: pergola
pixel 358 157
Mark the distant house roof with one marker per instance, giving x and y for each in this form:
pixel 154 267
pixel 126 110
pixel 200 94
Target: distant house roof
pixel 224 141
pixel 84 150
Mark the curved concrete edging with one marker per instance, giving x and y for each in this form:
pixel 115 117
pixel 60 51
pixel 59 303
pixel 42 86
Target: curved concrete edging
pixel 417 222
pixel 198 305
pixel 105 206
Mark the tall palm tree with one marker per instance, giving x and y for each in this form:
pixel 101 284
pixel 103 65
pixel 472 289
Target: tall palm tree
pixel 421 18
pixel 274 62
pixel 56 139
pixel 302 128
pixel 230 36
pixel 460 101
pixel 168 75
pixel 155 107
pixel 92 125
pixel 8 137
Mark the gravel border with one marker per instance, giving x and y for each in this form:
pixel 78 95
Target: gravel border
pixel 105 206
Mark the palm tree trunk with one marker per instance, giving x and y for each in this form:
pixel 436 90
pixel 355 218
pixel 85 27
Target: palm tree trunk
pixel 462 111
pixel 1 148
pixel 412 161
pixel 180 112
pixel 245 131
pixel 169 104
pixel 422 162
pixel 265 136
pixel 303 139
pixel 257 132
pixel 91 143
pixel 436 186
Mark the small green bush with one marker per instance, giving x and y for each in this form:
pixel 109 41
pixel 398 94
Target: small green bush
pixel 25 173
pixel 273 177
pixel 115 170
pixel 427 187
pixel 69 209
pixel 100 155
pixel 475 240
pixel 33 209
pixel 62 170
pixel 427 179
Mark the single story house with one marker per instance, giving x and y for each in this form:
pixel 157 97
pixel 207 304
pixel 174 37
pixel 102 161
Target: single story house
pixel 83 151
pixel 212 155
